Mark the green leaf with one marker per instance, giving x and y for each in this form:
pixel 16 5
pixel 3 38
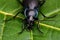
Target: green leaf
pixel 9 30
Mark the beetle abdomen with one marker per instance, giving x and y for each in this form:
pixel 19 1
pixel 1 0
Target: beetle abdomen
pixel 30 3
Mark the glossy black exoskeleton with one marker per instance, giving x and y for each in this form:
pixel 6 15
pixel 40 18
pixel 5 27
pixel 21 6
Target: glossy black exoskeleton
pixel 30 10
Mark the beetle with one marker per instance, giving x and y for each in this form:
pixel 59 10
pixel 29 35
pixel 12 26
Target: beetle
pixel 30 10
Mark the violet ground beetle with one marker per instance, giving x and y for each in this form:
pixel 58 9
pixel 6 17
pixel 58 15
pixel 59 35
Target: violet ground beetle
pixel 30 10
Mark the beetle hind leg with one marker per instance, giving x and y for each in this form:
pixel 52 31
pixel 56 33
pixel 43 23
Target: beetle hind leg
pixel 41 2
pixel 20 2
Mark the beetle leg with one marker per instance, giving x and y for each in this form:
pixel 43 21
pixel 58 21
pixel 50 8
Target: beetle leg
pixel 13 16
pixel 46 16
pixel 23 28
pixel 41 2
pixel 38 27
pixel 20 2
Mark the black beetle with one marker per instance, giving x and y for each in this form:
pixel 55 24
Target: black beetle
pixel 30 10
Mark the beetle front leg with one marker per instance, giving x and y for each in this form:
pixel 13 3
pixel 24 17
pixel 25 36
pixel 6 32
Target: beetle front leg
pixel 38 27
pixel 24 27
pixel 22 30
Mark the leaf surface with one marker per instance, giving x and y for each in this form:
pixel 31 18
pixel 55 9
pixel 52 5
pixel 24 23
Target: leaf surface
pixel 9 30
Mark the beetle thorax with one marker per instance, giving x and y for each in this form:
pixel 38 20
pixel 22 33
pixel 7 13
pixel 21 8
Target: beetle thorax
pixel 31 13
